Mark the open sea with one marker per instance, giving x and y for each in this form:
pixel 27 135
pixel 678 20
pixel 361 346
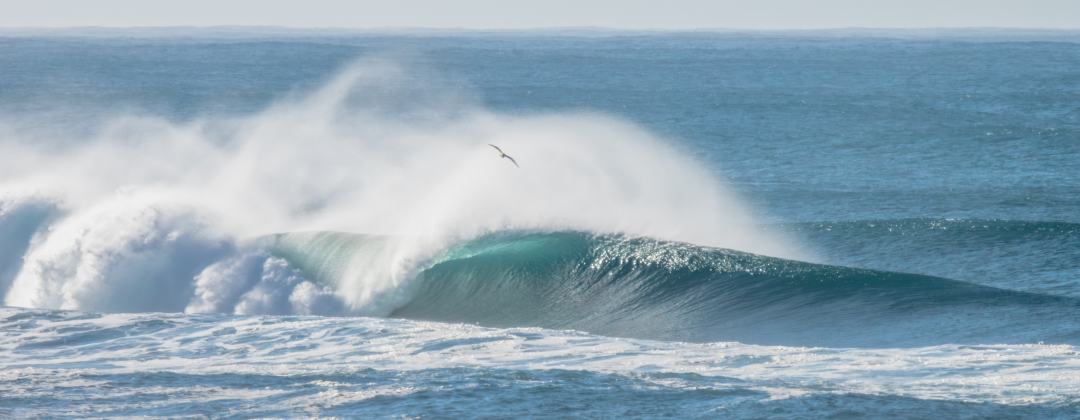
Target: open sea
pixel 269 223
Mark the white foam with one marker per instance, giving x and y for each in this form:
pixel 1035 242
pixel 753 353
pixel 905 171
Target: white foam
pixel 1000 373
pixel 124 255
pixel 218 288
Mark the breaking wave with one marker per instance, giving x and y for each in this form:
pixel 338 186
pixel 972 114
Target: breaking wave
pixel 646 288
pixel 604 228
pixel 144 214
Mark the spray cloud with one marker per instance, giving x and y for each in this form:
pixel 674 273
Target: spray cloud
pixel 148 215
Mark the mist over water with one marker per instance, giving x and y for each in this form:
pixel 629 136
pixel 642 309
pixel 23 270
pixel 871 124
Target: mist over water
pixel 152 215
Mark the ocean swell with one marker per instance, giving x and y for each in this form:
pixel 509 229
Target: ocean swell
pixel 1030 256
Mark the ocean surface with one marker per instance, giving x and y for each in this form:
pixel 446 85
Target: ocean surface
pixel 255 223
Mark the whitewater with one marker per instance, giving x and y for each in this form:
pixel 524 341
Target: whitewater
pixel 239 225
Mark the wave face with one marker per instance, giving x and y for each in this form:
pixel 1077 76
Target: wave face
pixel 646 288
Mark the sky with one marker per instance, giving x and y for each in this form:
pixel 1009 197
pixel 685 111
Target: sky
pixel 524 14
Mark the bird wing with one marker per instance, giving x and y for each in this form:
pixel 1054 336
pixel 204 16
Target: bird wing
pixel 512 160
pixel 496 147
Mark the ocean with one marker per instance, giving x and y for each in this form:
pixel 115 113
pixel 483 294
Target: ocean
pixel 271 223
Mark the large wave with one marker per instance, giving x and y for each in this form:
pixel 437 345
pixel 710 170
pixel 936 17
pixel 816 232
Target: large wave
pixel 605 228
pixel 146 214
pixel 646 288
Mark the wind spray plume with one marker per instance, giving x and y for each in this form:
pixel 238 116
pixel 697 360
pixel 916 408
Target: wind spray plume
pixel 159 216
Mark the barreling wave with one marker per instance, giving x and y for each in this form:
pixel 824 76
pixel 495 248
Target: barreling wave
pixel 139 257
pixel 645 288
pixel 143 214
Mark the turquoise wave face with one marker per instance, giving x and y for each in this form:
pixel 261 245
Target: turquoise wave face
pixel 646 288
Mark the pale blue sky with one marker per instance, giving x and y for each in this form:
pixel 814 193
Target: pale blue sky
pixel 507 14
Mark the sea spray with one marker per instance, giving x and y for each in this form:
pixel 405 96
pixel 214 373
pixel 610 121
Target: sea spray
pixel 156 211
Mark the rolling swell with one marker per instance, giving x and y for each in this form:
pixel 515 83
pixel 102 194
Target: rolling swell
pixel 645 288
pixel 1038 257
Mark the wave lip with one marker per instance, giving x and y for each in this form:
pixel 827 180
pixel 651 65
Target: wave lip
pixel 646 288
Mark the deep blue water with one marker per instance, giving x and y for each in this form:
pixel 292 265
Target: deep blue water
pixel 929 183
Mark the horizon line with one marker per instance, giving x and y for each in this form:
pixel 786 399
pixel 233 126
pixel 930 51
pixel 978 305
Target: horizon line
pixel 538 28
pixel 529 28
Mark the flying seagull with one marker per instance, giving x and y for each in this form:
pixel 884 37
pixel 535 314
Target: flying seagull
pixel 501 154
